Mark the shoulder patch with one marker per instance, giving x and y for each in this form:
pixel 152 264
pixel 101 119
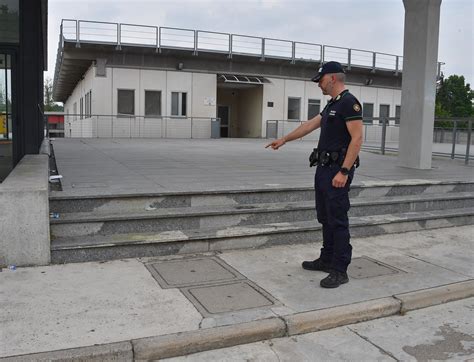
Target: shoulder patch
pixel 356 107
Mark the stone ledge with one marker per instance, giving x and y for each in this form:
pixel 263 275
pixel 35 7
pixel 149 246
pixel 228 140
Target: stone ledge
pixel 25 238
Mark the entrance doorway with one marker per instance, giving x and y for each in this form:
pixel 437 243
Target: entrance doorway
pixel 223 114
pixel 7 113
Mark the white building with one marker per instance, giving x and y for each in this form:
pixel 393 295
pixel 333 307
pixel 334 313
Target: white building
pixel 163 82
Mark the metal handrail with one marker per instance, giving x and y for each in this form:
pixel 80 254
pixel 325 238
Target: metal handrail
pixel 134 131
pixel 385 124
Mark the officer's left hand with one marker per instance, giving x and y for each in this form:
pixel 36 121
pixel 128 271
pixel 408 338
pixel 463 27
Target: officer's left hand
pixel 339 180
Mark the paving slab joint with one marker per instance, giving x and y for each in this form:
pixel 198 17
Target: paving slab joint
pixel 434 296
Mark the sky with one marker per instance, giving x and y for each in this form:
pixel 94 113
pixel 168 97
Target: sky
pixel 374 25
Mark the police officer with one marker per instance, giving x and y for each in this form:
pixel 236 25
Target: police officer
pixel 338 148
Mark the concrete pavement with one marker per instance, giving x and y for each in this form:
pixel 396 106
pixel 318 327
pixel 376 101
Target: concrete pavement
pixel 128 166
pixel 112 306
pixel 436 333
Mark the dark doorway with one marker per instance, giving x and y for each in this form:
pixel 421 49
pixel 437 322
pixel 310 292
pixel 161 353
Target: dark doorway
pixel 7 112
pixel 223 114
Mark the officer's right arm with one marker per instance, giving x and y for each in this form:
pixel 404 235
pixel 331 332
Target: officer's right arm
pixel 305 128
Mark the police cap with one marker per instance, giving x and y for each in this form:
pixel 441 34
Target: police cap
pixel 328 68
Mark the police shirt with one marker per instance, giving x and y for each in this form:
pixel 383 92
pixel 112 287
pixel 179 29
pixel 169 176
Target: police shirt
pixel 339 110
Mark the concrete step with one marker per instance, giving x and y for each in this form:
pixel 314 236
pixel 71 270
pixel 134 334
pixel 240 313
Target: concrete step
pixel 116 246
pixel 134 202
pixel 101 222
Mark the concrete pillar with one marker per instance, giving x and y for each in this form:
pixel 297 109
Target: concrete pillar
pixel 420 61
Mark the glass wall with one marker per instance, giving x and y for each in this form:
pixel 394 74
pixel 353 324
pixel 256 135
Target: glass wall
pixel 9 21
pixel 6 134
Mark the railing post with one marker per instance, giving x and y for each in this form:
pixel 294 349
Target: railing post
pixel 157 40
pixel 468 143
pixel 262 58
pixel 397 59
pixel 454 139
pixel 78 34
pixel 230 46
pixel 119 36
pixel 349 59
pixel 195 42
pixel 374 59
pixel 293 52
pixel 384 134
pixel 323 55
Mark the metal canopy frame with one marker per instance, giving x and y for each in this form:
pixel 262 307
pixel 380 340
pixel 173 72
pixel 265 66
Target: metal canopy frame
pixel 242 79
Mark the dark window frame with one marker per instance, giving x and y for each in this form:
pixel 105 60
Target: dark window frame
pixel 125 114
pixel 298 110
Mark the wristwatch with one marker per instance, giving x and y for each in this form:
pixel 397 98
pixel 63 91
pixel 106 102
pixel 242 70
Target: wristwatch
pixel 345 171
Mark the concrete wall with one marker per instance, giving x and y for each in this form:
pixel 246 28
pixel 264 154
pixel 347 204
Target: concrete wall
pixel 201 102
pixel 24 219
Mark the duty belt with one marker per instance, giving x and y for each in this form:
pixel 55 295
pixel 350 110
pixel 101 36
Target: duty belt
pixel 326 158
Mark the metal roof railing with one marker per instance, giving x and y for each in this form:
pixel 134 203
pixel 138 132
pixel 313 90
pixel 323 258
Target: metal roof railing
pixel 118 34
pixel 99 32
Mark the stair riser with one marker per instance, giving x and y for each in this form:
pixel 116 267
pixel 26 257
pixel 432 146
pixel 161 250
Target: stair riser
pixel 232 220
pixel 283 238
pixel 122 204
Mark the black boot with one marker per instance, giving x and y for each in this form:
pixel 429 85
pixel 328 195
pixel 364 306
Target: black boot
pixel 334 279
pixel 317 264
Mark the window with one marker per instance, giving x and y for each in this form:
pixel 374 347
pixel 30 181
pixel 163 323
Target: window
pixel 126 101
pixel 74 110
pixel 398 110
pixel 294 108
pixel 314 107
pixel 89 104
pixel 178 103
pixel 152 103
pixel 86 105
pixel 270 104
pixel 367 110
pixel 82 108
pixel 9 21
pixel 384 111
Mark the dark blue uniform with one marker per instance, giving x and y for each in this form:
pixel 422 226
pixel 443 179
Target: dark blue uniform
pixel 332 204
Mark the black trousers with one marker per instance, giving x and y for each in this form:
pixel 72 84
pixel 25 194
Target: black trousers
pixel 332 206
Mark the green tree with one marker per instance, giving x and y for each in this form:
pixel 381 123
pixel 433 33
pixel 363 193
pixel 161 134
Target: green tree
pixel 454 99
pixel 49 104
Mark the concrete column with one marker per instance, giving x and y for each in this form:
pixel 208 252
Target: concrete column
pixel 420 61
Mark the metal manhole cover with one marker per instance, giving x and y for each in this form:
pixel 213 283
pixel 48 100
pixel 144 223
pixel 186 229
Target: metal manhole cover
pixel 227 298
pixel 364 267
pixel 192 272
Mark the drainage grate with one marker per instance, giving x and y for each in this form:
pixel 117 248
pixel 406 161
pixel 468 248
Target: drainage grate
pixel 213 286
pixel 192 272
pixel 228 298
pixel 365 267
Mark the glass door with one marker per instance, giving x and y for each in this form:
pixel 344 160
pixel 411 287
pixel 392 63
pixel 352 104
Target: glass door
pixel 6 115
